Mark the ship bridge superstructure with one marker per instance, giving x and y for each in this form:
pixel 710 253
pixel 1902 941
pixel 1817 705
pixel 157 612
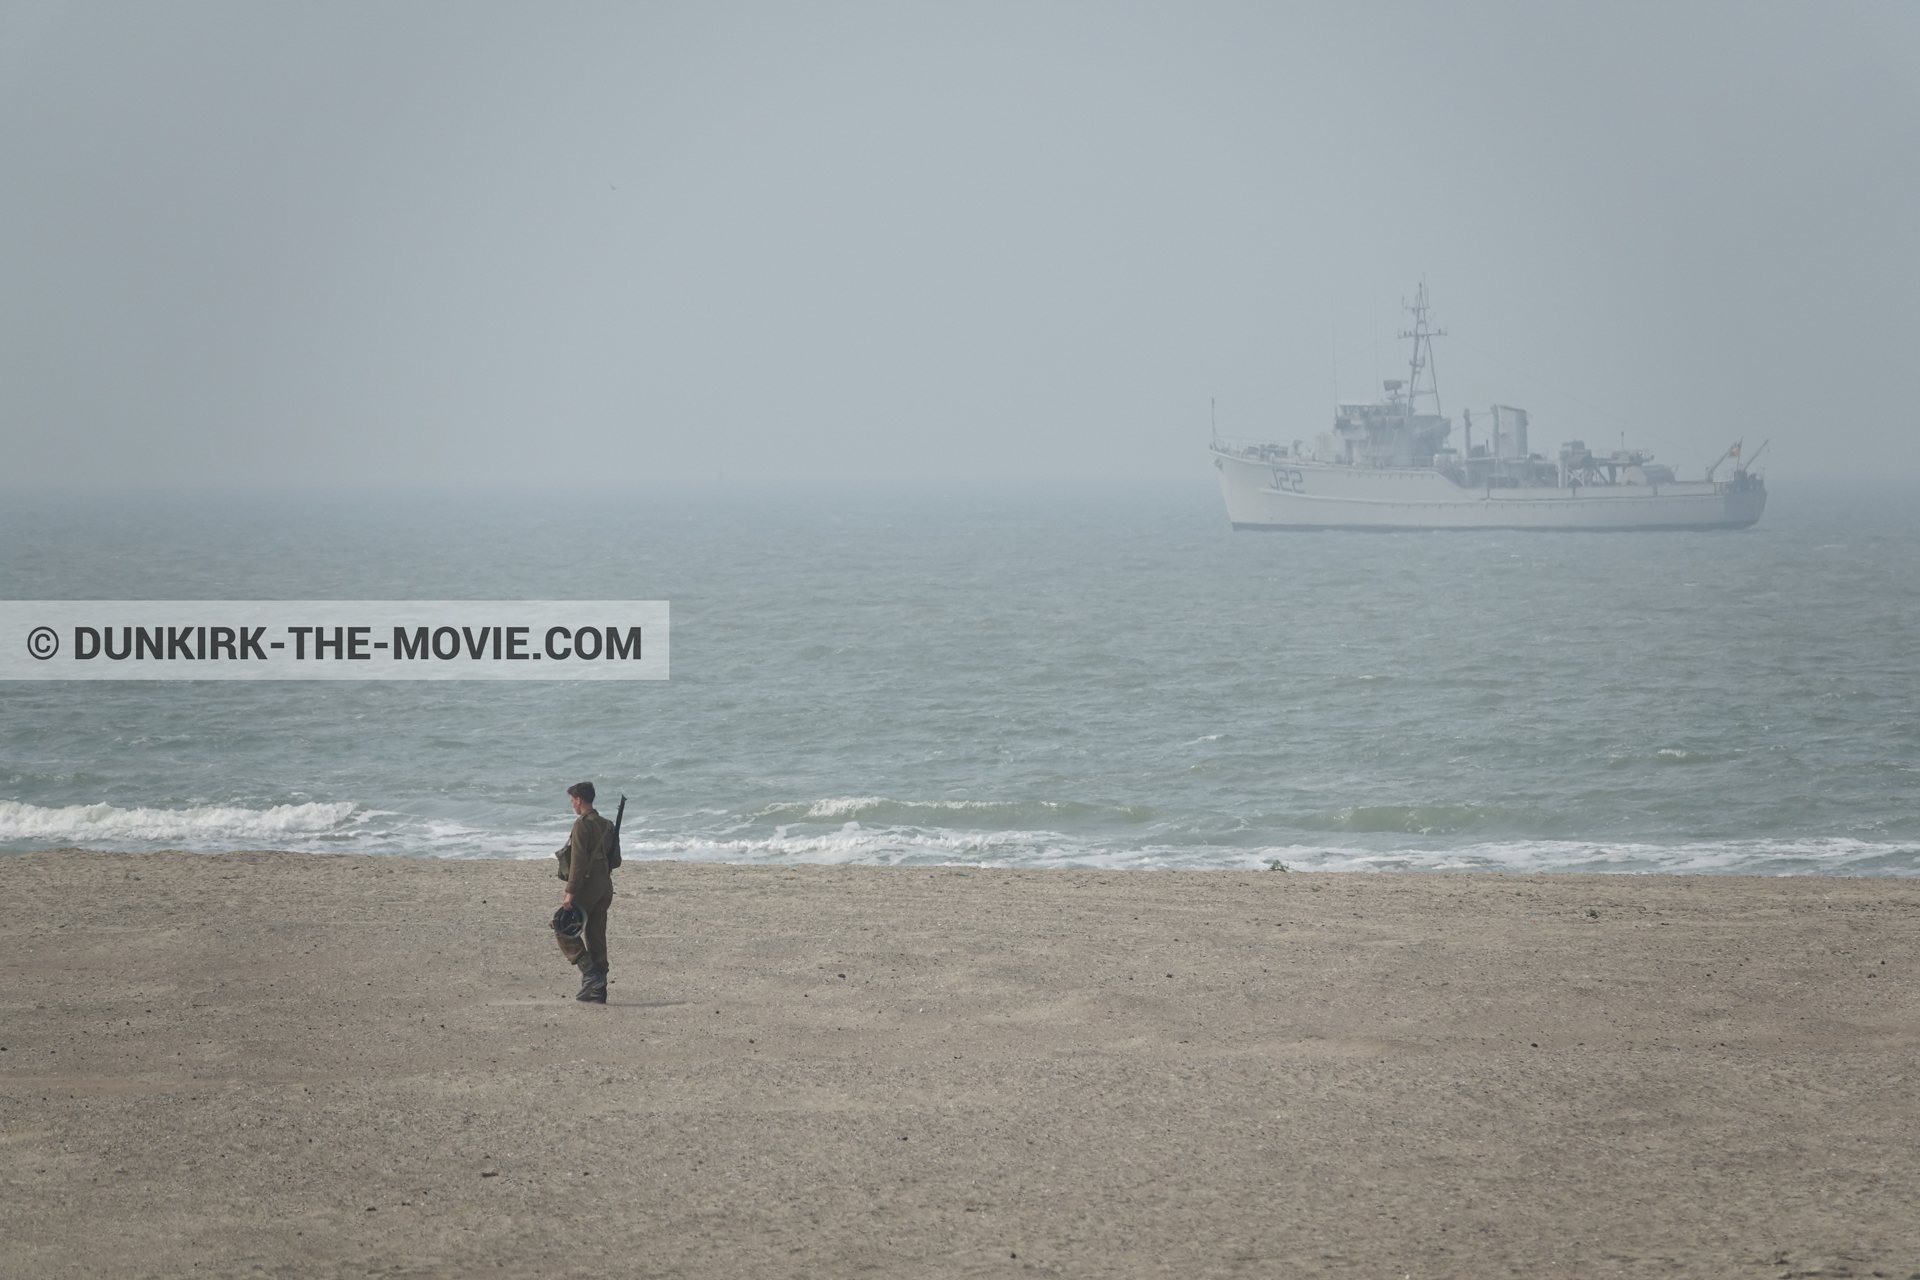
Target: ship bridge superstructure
pixel 1393 432
pixel 1386 433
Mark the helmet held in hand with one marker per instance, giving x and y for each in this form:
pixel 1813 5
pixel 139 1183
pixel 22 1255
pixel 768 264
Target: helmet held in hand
pixel 569 922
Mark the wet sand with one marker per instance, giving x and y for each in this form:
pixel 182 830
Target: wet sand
pixel 287 1064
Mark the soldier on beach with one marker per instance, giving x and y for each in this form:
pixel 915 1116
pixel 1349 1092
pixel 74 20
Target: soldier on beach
pixel 583 865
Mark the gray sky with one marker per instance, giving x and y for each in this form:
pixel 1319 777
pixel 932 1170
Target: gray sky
pixel 452 243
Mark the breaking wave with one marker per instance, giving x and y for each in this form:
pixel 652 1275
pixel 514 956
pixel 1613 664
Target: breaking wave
pixel 969 813
pixel 1824 856
pixel 107 824
pixel 876 831
pixel 858 844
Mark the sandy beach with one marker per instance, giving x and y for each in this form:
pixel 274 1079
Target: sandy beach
pixel 285 1064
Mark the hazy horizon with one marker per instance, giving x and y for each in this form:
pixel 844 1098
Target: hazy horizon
pixel 459 245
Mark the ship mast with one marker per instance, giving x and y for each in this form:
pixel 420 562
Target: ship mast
pixel 1422 355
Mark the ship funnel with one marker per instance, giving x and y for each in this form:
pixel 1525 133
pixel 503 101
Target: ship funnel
pixel 1509 432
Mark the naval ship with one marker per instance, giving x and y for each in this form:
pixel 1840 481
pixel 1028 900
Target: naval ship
pixel 1386 465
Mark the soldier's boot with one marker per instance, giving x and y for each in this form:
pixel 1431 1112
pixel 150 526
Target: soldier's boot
pixel 593 984
pixel 585 965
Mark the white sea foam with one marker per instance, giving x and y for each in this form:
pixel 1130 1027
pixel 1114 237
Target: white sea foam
pixel 855 844
pixel 344 827
pixel 842 806
pixel 1811 856
pixel 105 823
pixel 885 809
pixel 339 827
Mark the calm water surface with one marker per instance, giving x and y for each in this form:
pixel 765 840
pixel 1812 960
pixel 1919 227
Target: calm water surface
pixel 1018 676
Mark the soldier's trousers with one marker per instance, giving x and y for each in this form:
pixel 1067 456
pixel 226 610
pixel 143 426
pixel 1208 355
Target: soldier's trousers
pixel 594 900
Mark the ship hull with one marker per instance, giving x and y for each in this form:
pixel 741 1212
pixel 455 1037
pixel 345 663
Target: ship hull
pixel 1293 493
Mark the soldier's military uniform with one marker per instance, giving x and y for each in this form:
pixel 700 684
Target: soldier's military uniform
pixel 583 865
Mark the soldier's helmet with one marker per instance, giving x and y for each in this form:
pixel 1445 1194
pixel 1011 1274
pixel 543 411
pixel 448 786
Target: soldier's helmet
pixel 569 922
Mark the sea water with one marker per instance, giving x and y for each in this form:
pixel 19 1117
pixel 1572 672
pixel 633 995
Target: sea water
pixel 1024 676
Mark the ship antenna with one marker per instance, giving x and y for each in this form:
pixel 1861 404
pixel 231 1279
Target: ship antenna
pixel 1333 327
pixel 1422 341
pixel 1213 419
